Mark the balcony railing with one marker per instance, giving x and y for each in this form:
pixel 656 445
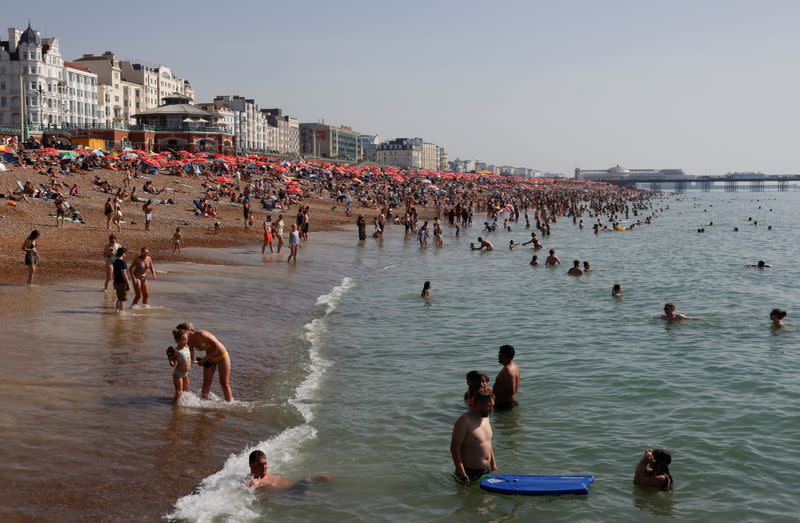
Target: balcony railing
pixel 129 127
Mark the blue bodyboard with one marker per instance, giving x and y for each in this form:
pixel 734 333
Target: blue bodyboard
pixel 530 485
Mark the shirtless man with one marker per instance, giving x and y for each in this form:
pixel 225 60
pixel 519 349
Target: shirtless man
pixel 485 245
pixel 260 477
pixel 575 270
pixel 552 260
pixel 506 384
pixel 471 442
pixel 670 314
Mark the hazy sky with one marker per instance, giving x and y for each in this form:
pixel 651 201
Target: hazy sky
pixel 708 86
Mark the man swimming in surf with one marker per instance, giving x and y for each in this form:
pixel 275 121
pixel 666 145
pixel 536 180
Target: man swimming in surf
pixel 506 384
pixel 471 442
pixel 260 476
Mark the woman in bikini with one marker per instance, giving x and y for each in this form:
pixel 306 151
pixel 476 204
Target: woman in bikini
pixel 139 267
pixel 216 357
pixel 279 232
pixel 31 254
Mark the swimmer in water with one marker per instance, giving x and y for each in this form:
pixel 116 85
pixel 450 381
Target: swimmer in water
pixel 426 290
pixel 616 290
pixel 576 269
pixel 261 478
pixel 586 267
pixel 670 314
pixel 552 260
pixel 760 265
pixel 484 245
pixel 535 261
pixel 511 245
pixel 776 317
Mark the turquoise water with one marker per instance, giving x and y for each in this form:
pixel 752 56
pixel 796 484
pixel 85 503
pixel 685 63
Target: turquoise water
pixel 380 378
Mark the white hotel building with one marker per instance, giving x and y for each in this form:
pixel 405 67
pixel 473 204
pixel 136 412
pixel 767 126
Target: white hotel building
pixel 80 98
pixel 36 63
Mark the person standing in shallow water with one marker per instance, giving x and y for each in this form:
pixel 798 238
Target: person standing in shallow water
pixel 31 254
pixel 121 285
pixel 506 384
pixel 426 290
pixel 109 255
pixel 216 358
pixel 471 440
pixel 361 223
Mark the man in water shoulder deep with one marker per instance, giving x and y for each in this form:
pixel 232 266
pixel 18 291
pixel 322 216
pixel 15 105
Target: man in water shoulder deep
pixel 471 442
pixel 670 314
pixel 260 476
pixel 506 384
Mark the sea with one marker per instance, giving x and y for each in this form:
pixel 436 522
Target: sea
pixel 339 367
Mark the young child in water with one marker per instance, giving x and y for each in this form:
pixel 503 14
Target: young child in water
pixel 180 359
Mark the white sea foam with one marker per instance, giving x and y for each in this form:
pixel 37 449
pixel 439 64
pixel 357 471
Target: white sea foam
pixel 223 494
pixel 190 400
pixel 332 299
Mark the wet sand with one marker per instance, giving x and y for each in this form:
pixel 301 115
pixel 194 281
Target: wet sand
pixel 89 429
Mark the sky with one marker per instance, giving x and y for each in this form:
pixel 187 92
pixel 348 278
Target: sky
pixel 709 87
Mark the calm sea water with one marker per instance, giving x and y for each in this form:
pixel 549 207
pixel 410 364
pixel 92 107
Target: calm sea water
pixel 602 379
pixel 338 366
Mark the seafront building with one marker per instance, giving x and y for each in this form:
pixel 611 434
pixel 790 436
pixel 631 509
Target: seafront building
pixel 156 82
pixel 369 146
pixel 101 98
pixel 330 141
pixel 31 70
pixel 400 152
pixel 410 153
pixel 283 132
pixel 80 96
pixel 250 125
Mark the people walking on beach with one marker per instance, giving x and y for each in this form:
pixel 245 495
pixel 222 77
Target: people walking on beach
pixel 121 284
pixel 177 239
pixel 506 384
pixel 267 239
pixel 670 314
pixel 294 243
pixel 279 232
pixel 776 317
pixel 247 213
pixel 575 270
pixel 653 470
pixel 471 440
pixel 109 255
pixel 31 254
pixel 61 208
pixel 148 214
pixel 181 360
pixel 305 225
pixel 139 268
pixel 108 210
pixel 216 358
pixel 117 219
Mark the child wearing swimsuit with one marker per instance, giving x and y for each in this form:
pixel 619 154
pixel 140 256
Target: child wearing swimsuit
pixel 180 359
